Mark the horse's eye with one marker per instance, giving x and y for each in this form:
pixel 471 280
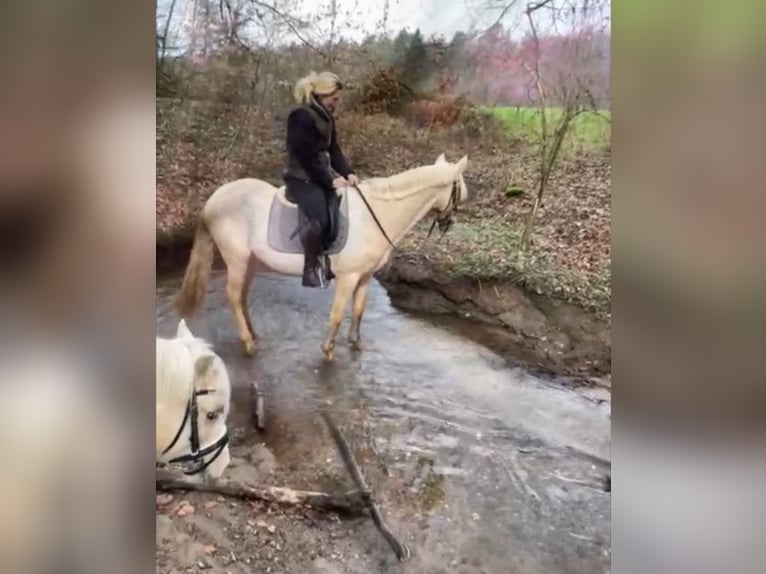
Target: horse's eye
pixel 211 416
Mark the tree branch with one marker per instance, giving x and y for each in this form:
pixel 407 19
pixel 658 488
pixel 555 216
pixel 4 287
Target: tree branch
pixel 287 19
pixel 348 503
pixel 532 8
pixel 501 16
pixel 166 30
pixel 402 551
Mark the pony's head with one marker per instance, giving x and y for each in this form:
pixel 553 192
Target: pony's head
pixel 194 390
pixel 447 202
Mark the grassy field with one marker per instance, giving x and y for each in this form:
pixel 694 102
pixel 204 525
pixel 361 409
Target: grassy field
pixel 589 130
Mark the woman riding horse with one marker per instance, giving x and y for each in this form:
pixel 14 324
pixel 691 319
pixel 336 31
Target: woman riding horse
pixel 313 149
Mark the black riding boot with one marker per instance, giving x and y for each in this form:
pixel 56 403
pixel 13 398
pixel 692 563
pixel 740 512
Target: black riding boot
pixel 328 273
pixel 311 238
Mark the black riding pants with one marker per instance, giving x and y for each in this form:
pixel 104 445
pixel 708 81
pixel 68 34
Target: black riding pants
pixel 311 199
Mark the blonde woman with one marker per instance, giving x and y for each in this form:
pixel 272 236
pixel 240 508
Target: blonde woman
pixel 312 152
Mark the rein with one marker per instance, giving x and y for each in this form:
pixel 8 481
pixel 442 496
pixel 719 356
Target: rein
pixel 444 223
pixel 375 217
pixel 196 453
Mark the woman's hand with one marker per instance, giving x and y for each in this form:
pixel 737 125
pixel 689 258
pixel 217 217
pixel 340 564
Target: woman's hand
pixel 339 182
pixel 352 179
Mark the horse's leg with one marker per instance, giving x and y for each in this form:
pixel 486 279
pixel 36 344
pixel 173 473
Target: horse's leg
pixel 245 290
pixel 360 302
pixel 234 284
pixel 237 269
pixel 344 286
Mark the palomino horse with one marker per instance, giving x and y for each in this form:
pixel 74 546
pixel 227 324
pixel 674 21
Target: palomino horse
pixel 193 398
pixel 252 224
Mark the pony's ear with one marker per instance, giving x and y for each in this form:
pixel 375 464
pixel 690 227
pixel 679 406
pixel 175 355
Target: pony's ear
pixel 183 331
pixel 203 365
pixel 462 164
pixel 441 159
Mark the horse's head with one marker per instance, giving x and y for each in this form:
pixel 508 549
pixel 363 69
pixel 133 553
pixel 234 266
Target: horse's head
pixel 201 441
pixel 447 202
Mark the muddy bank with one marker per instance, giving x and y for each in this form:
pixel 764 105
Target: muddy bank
pixel 204 532
pixel 537 331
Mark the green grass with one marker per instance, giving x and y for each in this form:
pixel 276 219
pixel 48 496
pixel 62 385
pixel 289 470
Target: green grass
pixel 590 129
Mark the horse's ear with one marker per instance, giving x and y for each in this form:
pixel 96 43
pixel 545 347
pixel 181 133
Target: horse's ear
pixel 441 159
pixel 183 331
pixel 203 365
pixel 462 164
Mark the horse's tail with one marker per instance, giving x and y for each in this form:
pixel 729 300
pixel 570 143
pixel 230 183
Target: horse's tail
pixel 194 285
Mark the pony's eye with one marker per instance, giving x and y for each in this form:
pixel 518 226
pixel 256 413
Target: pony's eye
pixel 211 416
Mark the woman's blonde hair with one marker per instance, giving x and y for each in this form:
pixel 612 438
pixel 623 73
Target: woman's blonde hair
pixel 321 84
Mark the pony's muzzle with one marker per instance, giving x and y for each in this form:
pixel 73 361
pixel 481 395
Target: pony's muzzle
pixel 216 468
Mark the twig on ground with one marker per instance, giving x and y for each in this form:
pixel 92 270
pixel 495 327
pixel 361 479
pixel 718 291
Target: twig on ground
pixel 259 414
pixel 582 537
pixel 586 483
pixel 348 503
pixel 517 474
pixel 401 550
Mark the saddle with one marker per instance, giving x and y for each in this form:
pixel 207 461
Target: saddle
pixel 286 221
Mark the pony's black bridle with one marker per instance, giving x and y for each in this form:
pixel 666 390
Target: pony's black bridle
pixel 445 218
pixel 197 453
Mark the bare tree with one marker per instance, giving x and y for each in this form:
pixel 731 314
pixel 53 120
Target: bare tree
pixel 163 37
pixel 563 84
pixel 333 32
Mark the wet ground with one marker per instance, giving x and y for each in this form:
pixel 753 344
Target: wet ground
pixel 479 467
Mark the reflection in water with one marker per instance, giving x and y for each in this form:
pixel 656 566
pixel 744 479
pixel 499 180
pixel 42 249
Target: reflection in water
pixel 483 465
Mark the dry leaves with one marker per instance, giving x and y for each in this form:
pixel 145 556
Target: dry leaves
pixel 207 549
pixel 164 499
pixel 185 508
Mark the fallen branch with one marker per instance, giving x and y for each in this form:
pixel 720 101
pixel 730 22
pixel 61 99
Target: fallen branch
pixel 348 503
pixel 401 550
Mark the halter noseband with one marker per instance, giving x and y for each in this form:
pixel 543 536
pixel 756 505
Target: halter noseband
pixel 444 219
pixel 197 453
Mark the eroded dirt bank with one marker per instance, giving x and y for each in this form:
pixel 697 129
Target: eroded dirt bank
pixel 538 331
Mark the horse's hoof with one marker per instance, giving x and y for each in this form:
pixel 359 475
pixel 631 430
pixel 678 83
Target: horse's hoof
pixel 249 348
pixel 329 352
pixel 356 345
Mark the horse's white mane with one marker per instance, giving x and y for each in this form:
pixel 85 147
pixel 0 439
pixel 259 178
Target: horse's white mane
pixel 403 185
pixel 175 362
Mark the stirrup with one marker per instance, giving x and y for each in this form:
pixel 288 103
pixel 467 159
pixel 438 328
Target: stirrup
pixel 318 274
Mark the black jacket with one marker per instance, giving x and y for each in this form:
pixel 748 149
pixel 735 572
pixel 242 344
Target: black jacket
pixel 312 146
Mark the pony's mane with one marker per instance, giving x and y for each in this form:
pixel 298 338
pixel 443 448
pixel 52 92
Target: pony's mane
pixel 175 366
pixel 403 185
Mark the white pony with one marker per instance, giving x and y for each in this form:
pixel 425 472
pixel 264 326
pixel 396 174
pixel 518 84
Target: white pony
pixel 193 401
pixel 253 225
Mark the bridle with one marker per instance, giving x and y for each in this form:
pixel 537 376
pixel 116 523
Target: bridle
pixel 197 453
pixel 446 218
